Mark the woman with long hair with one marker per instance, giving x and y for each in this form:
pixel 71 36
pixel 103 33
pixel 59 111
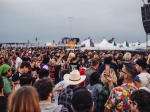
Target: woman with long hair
pixel 25 99
pixel 109 82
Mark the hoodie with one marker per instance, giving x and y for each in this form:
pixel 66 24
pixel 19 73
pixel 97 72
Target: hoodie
pixel 50 107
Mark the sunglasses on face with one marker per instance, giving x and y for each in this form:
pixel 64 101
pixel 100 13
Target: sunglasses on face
pixel 132 102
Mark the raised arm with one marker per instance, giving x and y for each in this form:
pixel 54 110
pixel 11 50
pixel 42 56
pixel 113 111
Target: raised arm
pixel 60 58
pixel 65 63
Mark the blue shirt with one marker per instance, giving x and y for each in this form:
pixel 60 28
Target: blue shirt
pixel 95 89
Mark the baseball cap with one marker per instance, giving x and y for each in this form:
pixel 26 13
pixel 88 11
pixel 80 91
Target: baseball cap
pixel 25 79
pixel 144 79
pixel 81 99
pixel 4 68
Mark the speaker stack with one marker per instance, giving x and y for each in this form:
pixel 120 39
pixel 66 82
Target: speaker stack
pixel 145 10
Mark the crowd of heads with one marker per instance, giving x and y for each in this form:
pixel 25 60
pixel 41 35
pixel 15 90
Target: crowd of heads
pixel 33 79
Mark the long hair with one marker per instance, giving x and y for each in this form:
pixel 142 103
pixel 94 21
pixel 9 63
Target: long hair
pixel 25 99
pixel 105 81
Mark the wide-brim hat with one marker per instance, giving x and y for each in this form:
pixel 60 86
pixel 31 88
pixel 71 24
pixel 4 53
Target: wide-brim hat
pixel 74 78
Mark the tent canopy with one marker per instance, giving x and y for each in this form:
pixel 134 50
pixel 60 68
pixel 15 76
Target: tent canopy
pixel 104 45
pixel 87 43
pixel 126 44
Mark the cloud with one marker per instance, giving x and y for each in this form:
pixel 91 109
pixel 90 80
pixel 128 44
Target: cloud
pixel 23 20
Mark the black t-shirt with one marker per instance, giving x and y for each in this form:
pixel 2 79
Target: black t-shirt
pixel 16 77
pixel 3 104
pixel 74 66
pixel 26 59
pixel 54 73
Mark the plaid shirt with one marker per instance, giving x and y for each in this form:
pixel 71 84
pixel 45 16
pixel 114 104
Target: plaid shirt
pixel 65 97
pixel 102 97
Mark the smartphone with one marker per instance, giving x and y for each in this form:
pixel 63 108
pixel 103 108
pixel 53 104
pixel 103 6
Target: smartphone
pixel 107 70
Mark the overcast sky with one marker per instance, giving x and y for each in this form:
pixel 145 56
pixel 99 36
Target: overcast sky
pixel 23 20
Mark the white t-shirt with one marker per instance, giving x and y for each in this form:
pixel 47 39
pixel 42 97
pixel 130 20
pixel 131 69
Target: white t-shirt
pixel 145 79
pixel 45 67
pixel 145 88
pixel 18 60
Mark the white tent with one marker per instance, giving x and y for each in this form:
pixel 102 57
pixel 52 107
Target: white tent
pixel 87 43
pixel 137 43
pixel 125 44
pixel 48 44
pixel 104 45
pixel 142 45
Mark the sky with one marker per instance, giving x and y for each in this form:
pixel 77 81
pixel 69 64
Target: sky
pixel 47 20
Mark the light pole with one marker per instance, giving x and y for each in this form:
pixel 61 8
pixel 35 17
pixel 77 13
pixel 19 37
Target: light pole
pixel 36 41
pixel 70 25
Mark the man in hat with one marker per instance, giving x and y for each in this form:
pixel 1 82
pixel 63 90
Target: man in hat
pixel 65 96
pixel 5 72
pixel 3 99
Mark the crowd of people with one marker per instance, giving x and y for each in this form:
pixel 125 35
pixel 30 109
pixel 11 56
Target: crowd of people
pixel 56 80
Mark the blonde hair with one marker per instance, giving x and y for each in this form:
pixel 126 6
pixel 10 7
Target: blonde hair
pixel 105 81
pixel 25 99
pixel 127 56
pixel 96 56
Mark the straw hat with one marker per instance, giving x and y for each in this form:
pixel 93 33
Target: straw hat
pixel 74 78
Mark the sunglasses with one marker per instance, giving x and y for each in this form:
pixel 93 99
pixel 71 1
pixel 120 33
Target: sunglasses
pixel 132 102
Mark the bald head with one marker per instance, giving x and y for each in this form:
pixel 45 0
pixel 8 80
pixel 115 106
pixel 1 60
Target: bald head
pixel 53 62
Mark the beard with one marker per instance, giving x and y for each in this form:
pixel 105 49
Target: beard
pixel 120 81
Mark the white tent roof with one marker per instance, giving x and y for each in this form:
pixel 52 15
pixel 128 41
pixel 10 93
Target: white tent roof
pixel 104 45
pixel 125 44
pixel 103 42
pixel 137 43
pixel 87 43
pixel 141 46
